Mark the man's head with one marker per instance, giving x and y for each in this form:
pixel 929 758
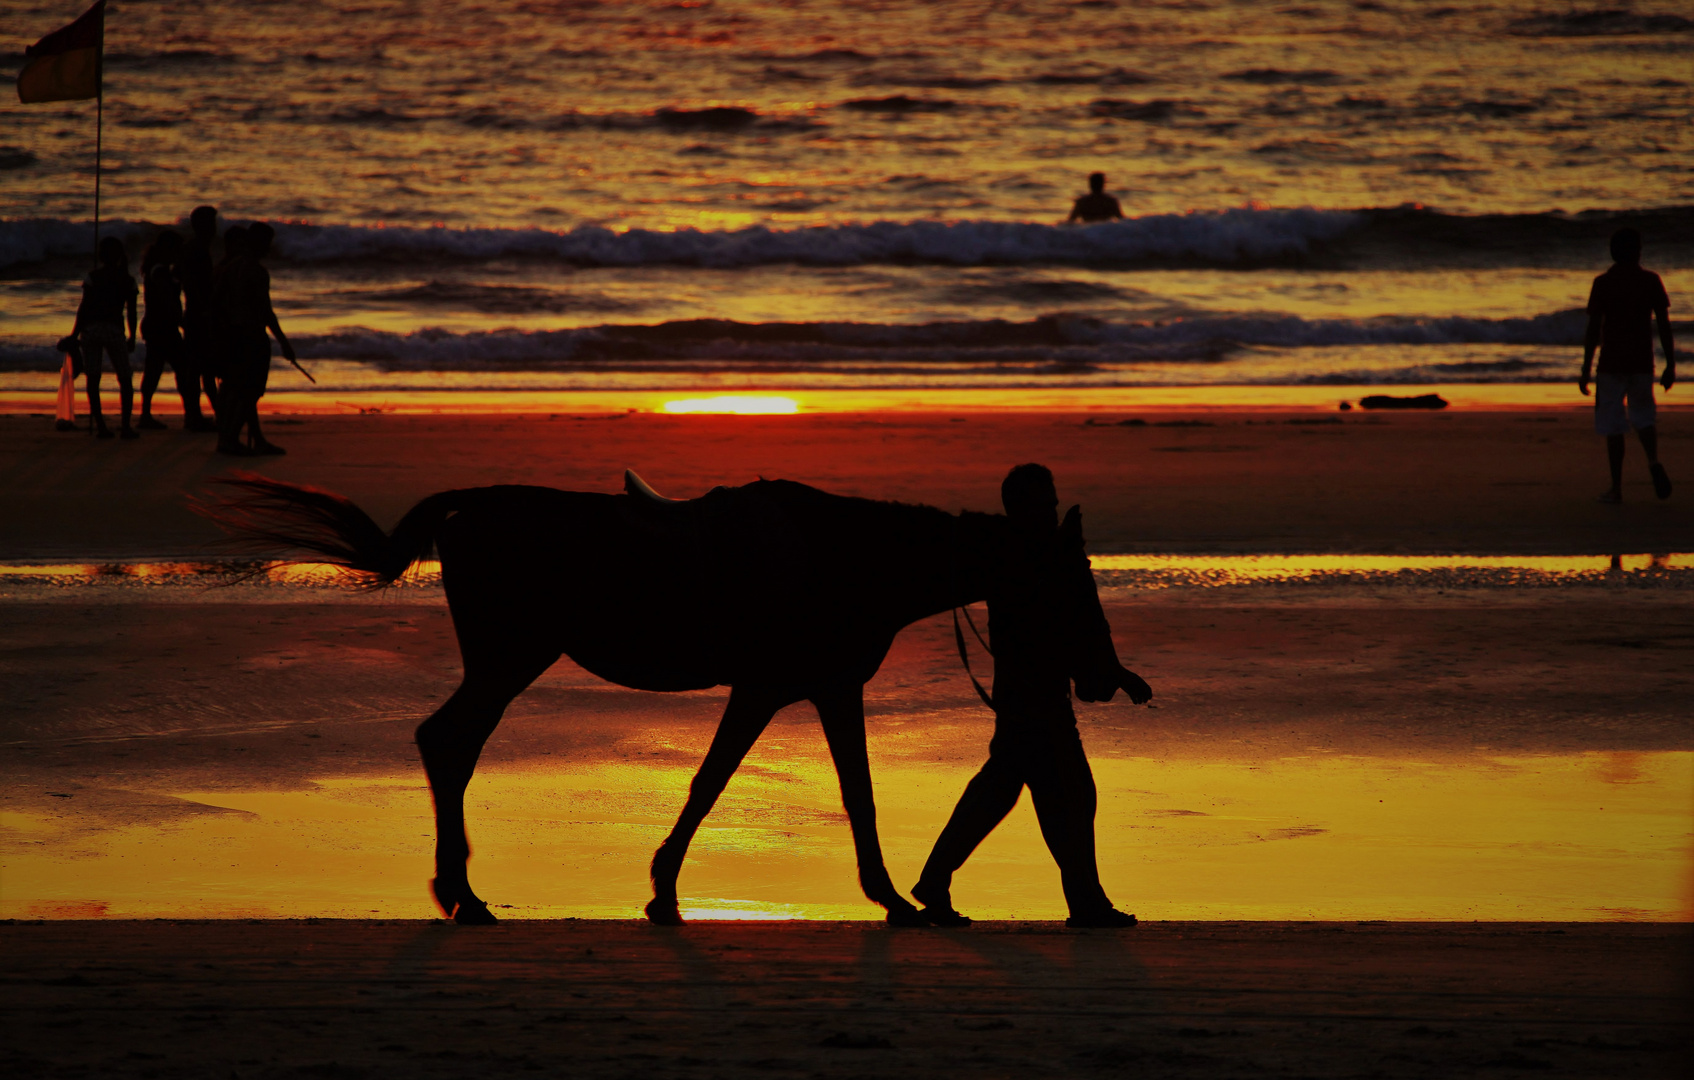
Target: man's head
pixel 112 253
pixel 204 222
pixel 1029 497
pixel 1626 247
pixel 259 237
pixel 1097 182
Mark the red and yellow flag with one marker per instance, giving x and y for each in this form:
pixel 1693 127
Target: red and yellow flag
pixel 65 65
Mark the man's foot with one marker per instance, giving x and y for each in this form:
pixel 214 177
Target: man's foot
pixel 1109 919
pixel 147 423
pixel 65 425
pixel 1611 497
pixel 1661 481
pixel 234 449
pixel 128 432
pixel 938 906
pixel 268 448
pixel 945 917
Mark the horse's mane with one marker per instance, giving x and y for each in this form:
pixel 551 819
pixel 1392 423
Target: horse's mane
pixel 870 521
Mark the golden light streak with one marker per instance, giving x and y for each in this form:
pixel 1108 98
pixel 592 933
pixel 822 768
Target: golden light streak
pixel 735 404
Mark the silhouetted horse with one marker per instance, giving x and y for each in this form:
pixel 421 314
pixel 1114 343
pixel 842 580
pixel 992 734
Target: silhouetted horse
pixel 779 590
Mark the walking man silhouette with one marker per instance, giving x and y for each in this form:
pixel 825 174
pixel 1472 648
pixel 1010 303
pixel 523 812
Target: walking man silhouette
pixel 1621 308
pixel 1035 742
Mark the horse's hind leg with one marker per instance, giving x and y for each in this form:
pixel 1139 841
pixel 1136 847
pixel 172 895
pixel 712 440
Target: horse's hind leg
pixel 843 717
pixel 744 720
pixel 450 742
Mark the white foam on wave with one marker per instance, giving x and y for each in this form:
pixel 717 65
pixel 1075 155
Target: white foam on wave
pixel 1069 340
pixel 1198 339
pixel 1224 237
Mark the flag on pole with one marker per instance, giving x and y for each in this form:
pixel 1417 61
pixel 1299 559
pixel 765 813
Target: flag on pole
pixel 65 65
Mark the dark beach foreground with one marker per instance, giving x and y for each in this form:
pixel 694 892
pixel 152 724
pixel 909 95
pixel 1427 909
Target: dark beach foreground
pixel 615 999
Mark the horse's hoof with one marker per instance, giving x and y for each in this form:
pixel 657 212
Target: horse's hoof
pixel 907 915
pixel 663 912
pixel 464 909
pixel 474 913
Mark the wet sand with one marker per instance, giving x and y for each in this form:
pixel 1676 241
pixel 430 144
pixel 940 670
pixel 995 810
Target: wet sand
pixel 136 718
pixel 1245 480
pixel 1409 754
pixel 622 999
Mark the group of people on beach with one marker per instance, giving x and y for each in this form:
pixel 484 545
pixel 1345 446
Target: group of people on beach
pixel 208 321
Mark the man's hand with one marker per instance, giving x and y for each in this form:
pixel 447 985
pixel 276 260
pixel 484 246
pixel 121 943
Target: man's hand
pixel 1582 383
pixel 1136 687
pixel 1668 379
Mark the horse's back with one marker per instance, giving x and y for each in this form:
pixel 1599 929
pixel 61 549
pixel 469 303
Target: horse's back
pixel 657 597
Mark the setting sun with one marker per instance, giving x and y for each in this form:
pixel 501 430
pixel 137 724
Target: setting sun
pixel 739 404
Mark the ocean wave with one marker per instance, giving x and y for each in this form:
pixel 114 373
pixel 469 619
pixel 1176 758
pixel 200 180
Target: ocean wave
pixel 1222 239
pixel 1065 343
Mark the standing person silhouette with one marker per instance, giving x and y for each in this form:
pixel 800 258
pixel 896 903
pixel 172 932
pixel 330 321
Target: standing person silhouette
pixel 161 326
pixel 1035 742
pixel 198 368
pixel 1096 205
pixel 242 291
pixel 1621 308
pixel 108 294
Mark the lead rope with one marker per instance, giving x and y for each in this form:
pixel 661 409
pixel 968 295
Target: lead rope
pixel 964 655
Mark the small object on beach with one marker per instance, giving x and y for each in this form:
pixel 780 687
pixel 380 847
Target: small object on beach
pixel 1389 401
pixel 1346 406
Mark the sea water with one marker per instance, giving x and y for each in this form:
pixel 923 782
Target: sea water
pixel 618 194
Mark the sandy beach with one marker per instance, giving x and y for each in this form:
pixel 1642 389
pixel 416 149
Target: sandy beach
pixel 1345 753
pixel 616 999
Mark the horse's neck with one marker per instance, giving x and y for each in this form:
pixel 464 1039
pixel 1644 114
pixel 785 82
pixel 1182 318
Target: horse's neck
pixel 952 567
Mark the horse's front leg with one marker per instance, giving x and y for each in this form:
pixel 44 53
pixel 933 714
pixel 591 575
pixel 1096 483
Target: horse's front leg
pixel 745 718
pixel 843 716
pixel 450 743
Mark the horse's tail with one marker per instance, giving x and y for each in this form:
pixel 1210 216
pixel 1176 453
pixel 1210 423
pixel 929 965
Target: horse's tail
pixel 271 516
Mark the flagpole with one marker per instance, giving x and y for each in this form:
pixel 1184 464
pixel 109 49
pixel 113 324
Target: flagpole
pixel 99 128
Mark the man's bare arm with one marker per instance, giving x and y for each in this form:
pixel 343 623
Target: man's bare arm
pixel 1668 379
pixel 1590 342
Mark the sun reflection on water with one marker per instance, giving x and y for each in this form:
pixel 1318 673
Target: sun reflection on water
pixel 736 405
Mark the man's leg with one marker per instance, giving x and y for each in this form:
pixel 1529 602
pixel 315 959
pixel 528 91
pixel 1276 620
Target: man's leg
pixel 92 358
pixel 1062 787
pixel 232 416
pixel 988 798
pixel 188 388
pixel 126 388
pixel 1614 458
pixel 1643 417
pixel 1649 437
pixel 152 369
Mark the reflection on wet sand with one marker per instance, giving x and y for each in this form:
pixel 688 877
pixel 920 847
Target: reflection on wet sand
pixel 1574 836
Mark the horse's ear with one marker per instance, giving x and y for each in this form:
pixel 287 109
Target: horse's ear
pixel 1071 527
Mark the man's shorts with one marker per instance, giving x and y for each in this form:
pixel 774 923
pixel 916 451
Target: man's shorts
pixel 1611 392
pixel 105 338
